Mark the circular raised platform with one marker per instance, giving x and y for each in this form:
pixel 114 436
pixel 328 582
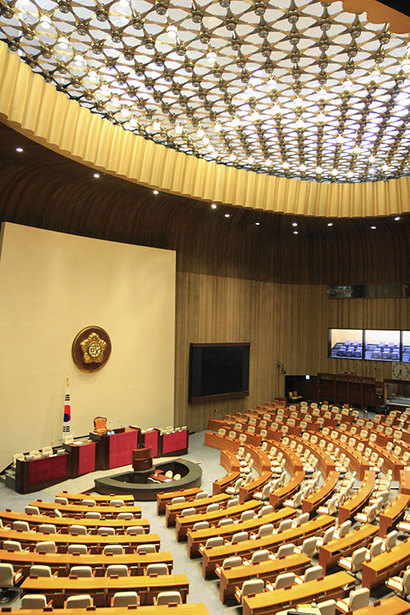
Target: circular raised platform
pixel 137 484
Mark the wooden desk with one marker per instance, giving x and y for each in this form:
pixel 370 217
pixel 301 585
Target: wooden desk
pixel 336 585
pixel 390 515
pixel 230 578
pixel 317 498
pixel 358 463
pixel 77 498
pixel 95 541
pixel 385 565
pixel 350 507
pixel 246 491
pixel 63 523
pixel 62 562
pixel 166 497
pixel 179 609
pixel 211 558
pixel 115 450
pixel 173 510
pixel 198 537
pixel 331 552
pixel 81 458
pixel 389 606
pixel 283 493
pixel 183 524
pixel 405 482
pixel 35 474
pixel 79 509
pixel 102 589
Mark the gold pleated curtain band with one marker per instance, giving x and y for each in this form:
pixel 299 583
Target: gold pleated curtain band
pixel 37 110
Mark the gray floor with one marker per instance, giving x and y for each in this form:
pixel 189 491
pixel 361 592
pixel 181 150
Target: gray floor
pixel 199 590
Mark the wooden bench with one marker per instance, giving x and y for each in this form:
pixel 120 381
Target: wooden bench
pixel 166 497
pixel 390 515
pixel 102 589
pixel 336 585
pixel 183 524
pixel 213 557
pixel 385 565
pixel 230 578
pixel 351 506
pixel 62 562
pixel 331 552
pixel 69 510
pixel 198 537
pixel 93 541
pixel 63 523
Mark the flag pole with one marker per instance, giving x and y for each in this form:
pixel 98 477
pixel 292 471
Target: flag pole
pixel 67 411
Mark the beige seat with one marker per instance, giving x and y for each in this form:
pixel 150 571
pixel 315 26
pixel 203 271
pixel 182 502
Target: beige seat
pixel 400 584
pixel 80 571
pixel 93 514
pixel 286 579
pixel 353 564
pixel 310 574
pixel 39 570
pixel 171 597
pixel 156 569
pixel 261 555
pixel 89 502
pixel 109 531
pixel 12 545
pixel 124 599
pixel 117 570
pixel 113 550
pixel 60 500
pixel 148 548
pixel 46 546
pixel 47 528
pixel 358 599
pixel 78 530
pixel 8 578
pixel 32 510
pixel 251 586
pixel 79 602
pixel 133 530
pixel 127 516
pixel 33 601
pixel 20 526
pixel 78 549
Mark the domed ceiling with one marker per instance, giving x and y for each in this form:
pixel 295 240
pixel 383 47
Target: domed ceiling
pixel 297 89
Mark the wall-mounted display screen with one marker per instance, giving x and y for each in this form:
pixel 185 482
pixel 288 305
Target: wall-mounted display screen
pixel 405 345
pixel 218 371
pixel 369 344
pixel 381 345
pixel 346 343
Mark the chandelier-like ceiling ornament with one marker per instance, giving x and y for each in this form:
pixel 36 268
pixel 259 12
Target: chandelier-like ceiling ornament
pixel 298 89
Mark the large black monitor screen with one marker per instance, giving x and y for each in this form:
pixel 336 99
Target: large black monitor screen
pixel 218 371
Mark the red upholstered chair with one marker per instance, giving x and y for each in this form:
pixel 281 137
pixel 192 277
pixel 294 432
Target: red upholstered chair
pixel 100 425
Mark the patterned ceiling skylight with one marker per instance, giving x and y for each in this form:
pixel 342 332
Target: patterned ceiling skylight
pixel 299 89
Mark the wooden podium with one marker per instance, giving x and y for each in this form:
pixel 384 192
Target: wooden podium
pixel 142 459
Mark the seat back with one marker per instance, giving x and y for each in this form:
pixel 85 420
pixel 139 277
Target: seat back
pixel 113 550
pixel 359 598
pixel 12 545
pixel 46 546
pixel 358 558
pixel 261 555
pixel 285 550
pixel 239 537
pixel 148 548
pixel 312 573
pixel 47 528
pixel 287 579
pixel 117 570
pixel 171 597
pixel 231 562
pixel 76 530
pixel 252 586
pixel 80 571
pixel 33 601
pixel 78 549
pixel 37 570
pixel 79 602
pixel 20 526
pixel 100 424
pixel 124 599
pixel 6 575
pixel 156 569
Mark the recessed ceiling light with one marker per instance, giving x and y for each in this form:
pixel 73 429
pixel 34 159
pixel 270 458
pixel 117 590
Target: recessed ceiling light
pixel 330 223
pixel 373 227
pixel 155 192
pixel 257 223
pixel 294 223
pixel 96 176
pixel 227 215
pixel 296 232
pixel 397 218
pixel 19 149
pixel 214 206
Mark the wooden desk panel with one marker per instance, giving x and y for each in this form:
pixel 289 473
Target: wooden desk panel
pixel 79 509
pixel 166 497
pixel 179 609
pixel 100 499
pixel 385 565
pixel 246 491
pixel 197 537
pixel 230 578
pixel 405 482
pixel 343 547
pixel 336 585
pixel 390 515
pixel 319 497
pixel 214 557
pixel 63 523
pixel 280 495
pixel 103 588
pixel 173 510
pixel 389 606
pixel 350 507
pixel 96 542
pixel 62 562
pixel 183 524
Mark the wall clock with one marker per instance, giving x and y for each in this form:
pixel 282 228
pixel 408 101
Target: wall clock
pixel 400 371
